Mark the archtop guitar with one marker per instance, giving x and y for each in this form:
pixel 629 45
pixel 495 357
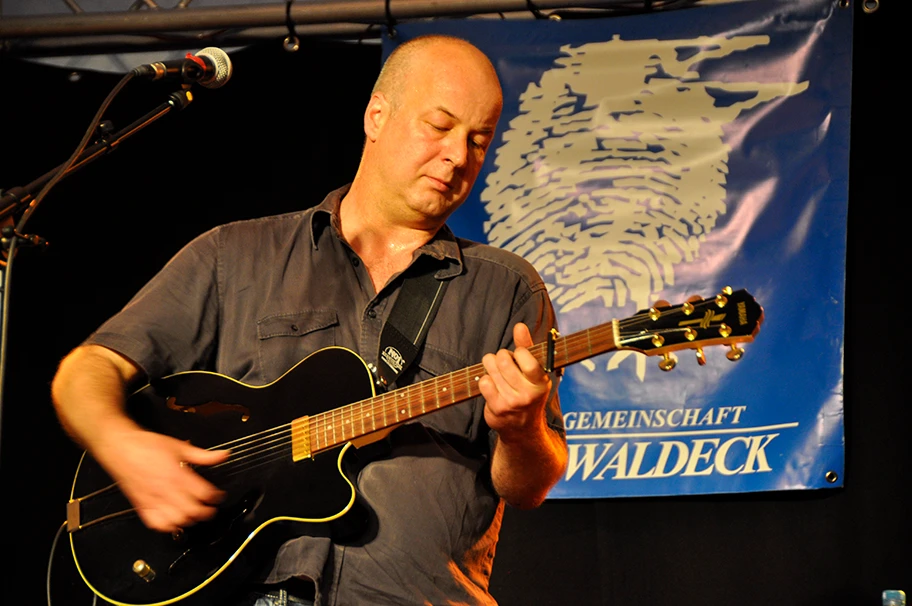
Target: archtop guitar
pixel 288 440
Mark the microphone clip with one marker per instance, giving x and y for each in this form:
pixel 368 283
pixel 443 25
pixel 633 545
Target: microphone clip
pixel 9 232
pixel 189 69
pixel 210 67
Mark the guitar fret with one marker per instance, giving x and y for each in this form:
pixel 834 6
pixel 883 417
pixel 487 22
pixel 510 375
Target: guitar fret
pixel 402 409
pixel 424 402
pixel 429 396
pixel 325 431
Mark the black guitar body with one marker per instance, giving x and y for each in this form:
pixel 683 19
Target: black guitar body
pixel 269 497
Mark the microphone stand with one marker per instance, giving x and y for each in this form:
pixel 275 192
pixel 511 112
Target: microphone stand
pixel 18 198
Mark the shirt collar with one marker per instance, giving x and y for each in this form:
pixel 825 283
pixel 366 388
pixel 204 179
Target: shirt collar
pixel 443 246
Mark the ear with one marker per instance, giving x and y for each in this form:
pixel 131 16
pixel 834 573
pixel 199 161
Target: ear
pixel 375 115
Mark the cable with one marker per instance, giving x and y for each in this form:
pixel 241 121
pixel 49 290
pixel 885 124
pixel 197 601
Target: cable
pixel 51 560
pixel 30 209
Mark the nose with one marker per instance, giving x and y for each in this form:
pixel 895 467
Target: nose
pixel 456 149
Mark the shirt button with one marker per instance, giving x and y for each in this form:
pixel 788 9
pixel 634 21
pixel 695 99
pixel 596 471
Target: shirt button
pixel 355 261
pixel 294 328
pixel 371 313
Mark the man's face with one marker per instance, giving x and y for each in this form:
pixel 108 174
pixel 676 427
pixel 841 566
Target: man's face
pixel 433 140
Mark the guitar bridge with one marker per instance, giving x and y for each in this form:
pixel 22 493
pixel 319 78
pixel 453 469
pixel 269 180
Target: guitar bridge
pixel 72 515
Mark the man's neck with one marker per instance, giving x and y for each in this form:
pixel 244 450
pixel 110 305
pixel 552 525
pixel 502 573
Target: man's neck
pixel 384 242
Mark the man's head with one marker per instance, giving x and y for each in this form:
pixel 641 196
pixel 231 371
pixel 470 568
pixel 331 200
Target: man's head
pixel 429 122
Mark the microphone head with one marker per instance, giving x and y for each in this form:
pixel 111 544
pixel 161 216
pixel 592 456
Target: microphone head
pixel 221 63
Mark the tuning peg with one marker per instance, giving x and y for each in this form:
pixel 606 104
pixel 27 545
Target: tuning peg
pixel 656 310
pixel 668 362
pixel 735 353
pixel 701 358
pixel 688 307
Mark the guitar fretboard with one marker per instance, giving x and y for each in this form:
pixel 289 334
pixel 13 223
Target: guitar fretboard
pixel 335 427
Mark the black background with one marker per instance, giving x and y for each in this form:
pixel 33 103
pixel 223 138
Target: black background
pixel 287 129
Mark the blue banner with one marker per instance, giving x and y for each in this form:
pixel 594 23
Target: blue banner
pixel 665 156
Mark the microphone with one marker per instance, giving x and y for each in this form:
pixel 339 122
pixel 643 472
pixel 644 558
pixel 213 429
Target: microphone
pixel 210 67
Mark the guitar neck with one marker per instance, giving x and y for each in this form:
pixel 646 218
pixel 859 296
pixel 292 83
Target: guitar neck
pixel 338 426
pixel 729 318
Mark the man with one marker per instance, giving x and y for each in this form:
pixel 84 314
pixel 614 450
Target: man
pixel 250 299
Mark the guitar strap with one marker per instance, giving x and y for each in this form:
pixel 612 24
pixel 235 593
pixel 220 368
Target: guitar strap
pixel 408 323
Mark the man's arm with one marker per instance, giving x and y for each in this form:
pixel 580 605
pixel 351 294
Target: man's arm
pixel 89 392
pixel 529 456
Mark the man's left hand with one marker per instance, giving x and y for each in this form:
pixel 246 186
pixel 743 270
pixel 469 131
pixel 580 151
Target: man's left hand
pixel 515 389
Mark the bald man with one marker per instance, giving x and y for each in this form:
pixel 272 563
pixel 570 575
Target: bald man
pixel 435 488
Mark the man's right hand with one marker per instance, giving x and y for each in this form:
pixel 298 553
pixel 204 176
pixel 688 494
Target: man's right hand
pixel 155 472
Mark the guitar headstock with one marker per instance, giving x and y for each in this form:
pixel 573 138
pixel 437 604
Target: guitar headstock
pixel 729 318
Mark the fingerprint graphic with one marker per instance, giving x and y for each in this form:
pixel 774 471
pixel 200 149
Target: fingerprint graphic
pixel 614 171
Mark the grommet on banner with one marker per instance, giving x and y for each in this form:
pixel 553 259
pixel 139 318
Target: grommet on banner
pixel 390 21
pixel 869 6
pixel 291 42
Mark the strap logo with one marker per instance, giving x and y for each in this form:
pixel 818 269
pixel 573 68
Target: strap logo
pixel 392 358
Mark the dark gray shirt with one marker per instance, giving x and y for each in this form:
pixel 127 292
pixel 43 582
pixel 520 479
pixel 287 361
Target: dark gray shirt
pixel 251 299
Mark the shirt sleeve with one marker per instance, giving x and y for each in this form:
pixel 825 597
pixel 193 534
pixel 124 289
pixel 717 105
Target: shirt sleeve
pixel 171 324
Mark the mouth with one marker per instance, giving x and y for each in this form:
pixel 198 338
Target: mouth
pixel 443 185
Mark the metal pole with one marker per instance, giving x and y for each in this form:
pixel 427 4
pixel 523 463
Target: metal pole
pixel 265 15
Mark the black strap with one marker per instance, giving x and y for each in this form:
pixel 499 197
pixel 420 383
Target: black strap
pixel 408 323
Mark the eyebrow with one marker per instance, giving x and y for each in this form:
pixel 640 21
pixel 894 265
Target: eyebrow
pixel 485 131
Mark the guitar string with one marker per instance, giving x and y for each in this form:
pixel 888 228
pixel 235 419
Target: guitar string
pixel 389 404
pixel 275 444
pixel 430 390
pixel 337 418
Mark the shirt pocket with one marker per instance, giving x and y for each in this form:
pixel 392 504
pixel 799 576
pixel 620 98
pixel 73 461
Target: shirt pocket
pixel 460 419
pixel 285 339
